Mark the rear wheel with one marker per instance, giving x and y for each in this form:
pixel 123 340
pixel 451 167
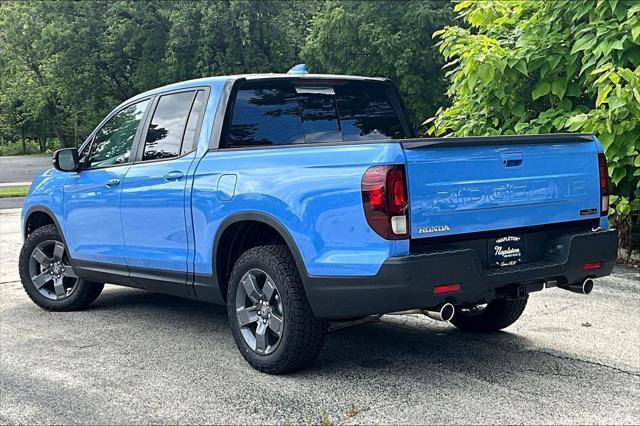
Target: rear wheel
pixel 47 275
pixel 495 316
pixel 270 317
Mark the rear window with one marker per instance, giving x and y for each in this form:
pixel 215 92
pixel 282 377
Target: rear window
pixel 284 113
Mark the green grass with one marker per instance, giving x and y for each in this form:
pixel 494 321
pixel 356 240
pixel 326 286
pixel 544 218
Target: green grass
pixel 13 191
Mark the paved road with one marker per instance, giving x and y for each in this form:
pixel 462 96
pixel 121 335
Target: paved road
pixel 11 203
pixel 22 168
pixel 139 357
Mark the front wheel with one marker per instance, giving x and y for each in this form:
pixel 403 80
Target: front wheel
pixel 498 314
pixel 47 275
pixel 269 313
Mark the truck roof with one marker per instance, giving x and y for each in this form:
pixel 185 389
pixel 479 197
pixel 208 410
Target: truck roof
pixel 209 81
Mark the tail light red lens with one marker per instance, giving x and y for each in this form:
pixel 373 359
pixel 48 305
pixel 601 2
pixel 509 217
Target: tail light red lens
pixel 384 197
pixel 604 184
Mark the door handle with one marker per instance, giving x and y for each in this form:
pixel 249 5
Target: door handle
pixel 113 182
pixel 174 175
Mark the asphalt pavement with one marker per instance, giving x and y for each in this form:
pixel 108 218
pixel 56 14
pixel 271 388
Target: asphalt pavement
pixel 141 357
pixel 22 168
pixel 11 203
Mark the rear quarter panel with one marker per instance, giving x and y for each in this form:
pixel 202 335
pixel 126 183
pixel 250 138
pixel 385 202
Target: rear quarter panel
pixel 313 191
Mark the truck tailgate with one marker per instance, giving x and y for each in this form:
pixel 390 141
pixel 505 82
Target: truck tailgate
pixel 500 183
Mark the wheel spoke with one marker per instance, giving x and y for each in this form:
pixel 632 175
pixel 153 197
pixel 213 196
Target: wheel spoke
pixel 68 272
pixel 275 323
pixel 59 287
pixel 42 279
pixel 251 287
pixel 268 289
pixel 246 315
pixel 58 251
pixel 261 337
pixel 39 256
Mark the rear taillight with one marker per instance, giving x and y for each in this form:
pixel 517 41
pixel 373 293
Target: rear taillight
pixel 384 196
pixel 604 185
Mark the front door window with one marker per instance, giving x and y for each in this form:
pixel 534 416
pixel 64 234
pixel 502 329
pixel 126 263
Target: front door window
pixel 112 143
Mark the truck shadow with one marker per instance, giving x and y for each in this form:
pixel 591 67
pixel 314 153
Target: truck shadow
pixel 396 345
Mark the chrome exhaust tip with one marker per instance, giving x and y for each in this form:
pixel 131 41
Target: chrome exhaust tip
pixel 585 287
pixel 445 313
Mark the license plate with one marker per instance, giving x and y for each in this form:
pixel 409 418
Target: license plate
pixel 506 251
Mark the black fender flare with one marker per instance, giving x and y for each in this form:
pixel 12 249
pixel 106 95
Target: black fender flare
pixel 267 219
pixel 48 212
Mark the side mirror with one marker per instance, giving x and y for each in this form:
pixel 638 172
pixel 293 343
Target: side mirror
pixel 66 160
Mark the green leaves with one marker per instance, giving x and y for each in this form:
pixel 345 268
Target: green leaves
pixel 541 90
pixel 616 102
pixel 559 87
pixel 587 41
pixel 603 92
pixel 486 72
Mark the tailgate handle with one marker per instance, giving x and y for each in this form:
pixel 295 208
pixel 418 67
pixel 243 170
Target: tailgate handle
pixel 513 159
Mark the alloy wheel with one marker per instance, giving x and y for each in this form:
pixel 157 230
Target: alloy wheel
pixel 51 272
pixel 259 311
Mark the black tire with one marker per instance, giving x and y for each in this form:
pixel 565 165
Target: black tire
pixel 302 333
pixel 79 298
pixel 498 314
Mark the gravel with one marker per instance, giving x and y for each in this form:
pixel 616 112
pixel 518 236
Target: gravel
pixel 141 357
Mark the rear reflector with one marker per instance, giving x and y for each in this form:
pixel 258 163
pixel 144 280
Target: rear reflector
pixel 446 288
pixel 587 266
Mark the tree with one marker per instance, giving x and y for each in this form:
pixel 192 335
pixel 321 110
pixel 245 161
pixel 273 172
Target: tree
pixel 64 65
pixel 386 39
pixel 539 67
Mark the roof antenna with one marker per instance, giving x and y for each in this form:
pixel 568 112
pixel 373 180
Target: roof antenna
pixel 300 69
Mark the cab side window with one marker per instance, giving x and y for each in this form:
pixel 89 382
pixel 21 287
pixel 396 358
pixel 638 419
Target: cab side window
pixel 167 128
pixel 112 143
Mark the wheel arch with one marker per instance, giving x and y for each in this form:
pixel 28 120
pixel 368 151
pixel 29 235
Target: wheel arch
pixel 231 223
pixel 37 217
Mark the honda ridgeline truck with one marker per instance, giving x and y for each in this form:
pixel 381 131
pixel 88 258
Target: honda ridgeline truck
pixel 300 200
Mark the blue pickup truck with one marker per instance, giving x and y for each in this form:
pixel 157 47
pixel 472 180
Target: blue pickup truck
pixel 303 200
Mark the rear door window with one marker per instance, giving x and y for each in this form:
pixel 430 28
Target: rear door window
pixel 166 131
pixel 284 113
pixel 190 141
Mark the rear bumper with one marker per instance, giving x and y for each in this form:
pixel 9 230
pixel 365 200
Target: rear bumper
pixel 407 282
